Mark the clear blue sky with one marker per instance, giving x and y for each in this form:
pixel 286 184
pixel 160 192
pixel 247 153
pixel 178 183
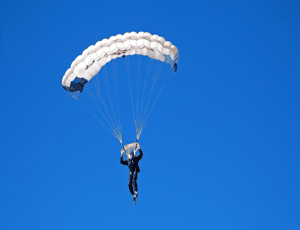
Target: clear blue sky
pixel 221 150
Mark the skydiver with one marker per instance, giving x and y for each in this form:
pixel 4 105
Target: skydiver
pixel 175 66
pixel 133 164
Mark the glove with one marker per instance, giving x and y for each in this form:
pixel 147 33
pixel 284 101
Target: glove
pixel 137 146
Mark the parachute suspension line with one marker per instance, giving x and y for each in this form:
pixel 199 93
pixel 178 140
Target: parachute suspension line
pixel 90 93
pixel 153 83
pixel 155 77
pixel 145 83
pixel 102 99
pixel 105 79
pixel 92 97
pixel 142 129
pixel 167 78
pixel 100 122
pixel 100 93
pixel 129 80
pixel 137 85
pixel 115 73
pixel 146 120
pixel 109 97
pixel 144 90
pixel 143 112
pixel 137 124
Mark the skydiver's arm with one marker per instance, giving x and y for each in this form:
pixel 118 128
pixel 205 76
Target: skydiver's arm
pixel 122 161
pixel 140 155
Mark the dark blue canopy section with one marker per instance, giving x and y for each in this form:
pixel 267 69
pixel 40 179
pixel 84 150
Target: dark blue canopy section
pixel 76 85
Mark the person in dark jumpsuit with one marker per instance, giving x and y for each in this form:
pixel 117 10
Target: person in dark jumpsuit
pixel 133 164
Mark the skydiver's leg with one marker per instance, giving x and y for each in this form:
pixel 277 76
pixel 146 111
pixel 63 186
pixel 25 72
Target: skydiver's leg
pixel 130 182
pixel 135 176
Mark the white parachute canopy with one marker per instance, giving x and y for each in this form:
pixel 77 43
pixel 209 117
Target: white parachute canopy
pixel 107 91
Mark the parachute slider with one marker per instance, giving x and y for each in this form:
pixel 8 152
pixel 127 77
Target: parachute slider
pixel 126 148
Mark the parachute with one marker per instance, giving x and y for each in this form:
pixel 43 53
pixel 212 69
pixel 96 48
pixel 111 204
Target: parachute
pixel 104 91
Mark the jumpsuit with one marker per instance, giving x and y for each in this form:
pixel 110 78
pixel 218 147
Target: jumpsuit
pixel 134 169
